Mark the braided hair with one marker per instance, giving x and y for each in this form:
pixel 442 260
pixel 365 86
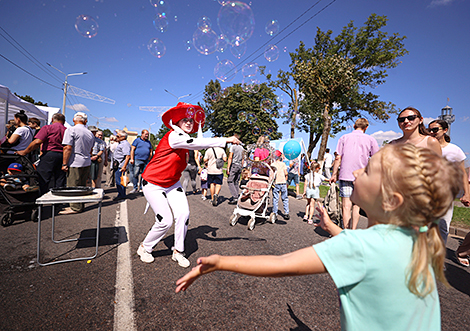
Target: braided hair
pixel 428 184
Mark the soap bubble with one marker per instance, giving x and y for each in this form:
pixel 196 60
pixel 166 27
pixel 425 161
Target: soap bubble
pixel 86 26
pixel 250 69
pixel 241 116
pixel 250 84
pixel 271 53
pixel 251 118
pixel 270 130
pixel 160 22
pixel 272 27
pixel 222 2
pixel 285 49
pixel 238 51
pixel 266 104
pixel 188 45
pixel 246 87
pixel 204 24
pixel 190 111
pixel 205 42
pixel 156 47
pixel 256 131
pixel 225 70
pixel 221 44
pixel 236 21
pixel 225 92
pixel 161 6
pixel 200 116
pixel 214 97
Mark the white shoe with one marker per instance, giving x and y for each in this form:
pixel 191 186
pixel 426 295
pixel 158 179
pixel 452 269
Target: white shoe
pixel 133 191
pixel 203 198
pixel 179 257
pixel 144 255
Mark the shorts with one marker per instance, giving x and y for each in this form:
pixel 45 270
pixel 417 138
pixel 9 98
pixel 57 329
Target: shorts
pixel 313 193
pixel 203 184
pixel 215 179
pixel 345 188
pixel 291 176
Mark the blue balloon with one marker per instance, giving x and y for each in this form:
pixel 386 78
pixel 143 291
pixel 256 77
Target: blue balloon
pixel 291 149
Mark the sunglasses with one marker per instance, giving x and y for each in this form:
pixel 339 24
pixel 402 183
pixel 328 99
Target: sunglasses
pixel 410 118
pixel 434 130
pixel 186 120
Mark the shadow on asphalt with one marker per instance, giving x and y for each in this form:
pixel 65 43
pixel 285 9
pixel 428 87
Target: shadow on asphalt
pixel 203 232
pixel 300 325
pixel 457 278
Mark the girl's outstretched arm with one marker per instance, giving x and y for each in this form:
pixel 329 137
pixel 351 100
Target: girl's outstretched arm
pixel 302 262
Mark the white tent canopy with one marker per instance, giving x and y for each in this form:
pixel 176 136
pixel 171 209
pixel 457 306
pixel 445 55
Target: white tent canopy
pixel 10 104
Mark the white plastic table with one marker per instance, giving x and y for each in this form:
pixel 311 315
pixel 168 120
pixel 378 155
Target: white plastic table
pixel 51 199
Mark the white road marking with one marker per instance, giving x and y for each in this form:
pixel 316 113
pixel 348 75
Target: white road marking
pixel 124 299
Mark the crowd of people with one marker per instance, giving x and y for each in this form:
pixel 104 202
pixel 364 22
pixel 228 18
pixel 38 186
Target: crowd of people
pixel 406 189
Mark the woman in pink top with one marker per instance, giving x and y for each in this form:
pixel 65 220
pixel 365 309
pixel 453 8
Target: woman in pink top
pixel 410 122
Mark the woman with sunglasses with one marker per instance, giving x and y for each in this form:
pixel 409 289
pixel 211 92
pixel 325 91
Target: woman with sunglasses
pixel 453 153
pixel 410 122
pixel 161 185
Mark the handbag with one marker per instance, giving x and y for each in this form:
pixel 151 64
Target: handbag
pixel 124 179
pixel 219 162
pixel 115 165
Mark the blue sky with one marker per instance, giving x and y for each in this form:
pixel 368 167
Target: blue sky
pixel 121 68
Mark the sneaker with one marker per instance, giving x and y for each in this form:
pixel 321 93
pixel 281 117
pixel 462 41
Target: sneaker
pixel 286 217
pixel 179 257
pixel 134 191
pixel 232 201
pixel 305 218
pixel 203 198
pixel 9 187
pixel 298 197
pixel 144 255
pixel 215 200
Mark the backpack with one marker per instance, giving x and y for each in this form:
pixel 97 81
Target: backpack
pixel 333 204
pixel 219 162
pixel 203 174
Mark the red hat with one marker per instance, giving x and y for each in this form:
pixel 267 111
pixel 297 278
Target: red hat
pixel 277 153
pixel 184 110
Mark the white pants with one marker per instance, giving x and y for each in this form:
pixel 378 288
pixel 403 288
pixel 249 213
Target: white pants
pixel 168 204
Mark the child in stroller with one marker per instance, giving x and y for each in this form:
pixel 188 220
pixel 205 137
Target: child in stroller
pixel 253 200
pixel 13 180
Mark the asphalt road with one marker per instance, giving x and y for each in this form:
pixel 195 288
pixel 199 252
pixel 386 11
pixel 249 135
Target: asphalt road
pixel 90 296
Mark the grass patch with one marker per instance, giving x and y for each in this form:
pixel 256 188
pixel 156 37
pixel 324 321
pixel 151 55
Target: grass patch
pixel 461 217
pixel 323 189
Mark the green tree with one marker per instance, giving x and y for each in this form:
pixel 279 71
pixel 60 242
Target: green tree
pixel 250 111
pixel 31 100
pixel 106 132
pixel 161 132
pixel 337 74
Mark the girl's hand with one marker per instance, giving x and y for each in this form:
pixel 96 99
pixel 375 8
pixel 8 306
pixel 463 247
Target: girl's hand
pixel 234 140
pixel 325 221
pixel 205 266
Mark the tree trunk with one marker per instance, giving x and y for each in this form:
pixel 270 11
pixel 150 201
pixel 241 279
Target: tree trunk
pixel 325 133
pixel 295 105
pixel 312 143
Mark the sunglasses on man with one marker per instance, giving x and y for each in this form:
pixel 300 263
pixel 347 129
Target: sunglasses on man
pixel 410 118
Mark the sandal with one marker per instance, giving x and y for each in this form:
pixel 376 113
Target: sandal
pixel 310 222
pixel 305 218
pixel 463 261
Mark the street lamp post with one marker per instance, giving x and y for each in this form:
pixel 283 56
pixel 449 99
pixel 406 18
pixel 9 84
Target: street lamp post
pixel 65 84
pixel 183 96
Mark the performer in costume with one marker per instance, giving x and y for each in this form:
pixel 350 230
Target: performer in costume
pixel 161 185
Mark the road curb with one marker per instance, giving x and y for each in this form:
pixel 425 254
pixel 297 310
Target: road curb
pixel 458 232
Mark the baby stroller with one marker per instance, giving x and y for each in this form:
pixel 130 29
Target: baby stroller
pixel 253 201
pixel 13 202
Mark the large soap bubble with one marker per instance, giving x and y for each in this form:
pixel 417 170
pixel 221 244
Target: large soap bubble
pixel 86 26
pixel 160 22
pixel 236 21
pixel 161 6
pixel 271 53
pixel 272 27
pixel 225 70
pixel 205 42
pixel 238 51
pixel 291 149
pixel 250 69
pixel 156 47
pixel 204 23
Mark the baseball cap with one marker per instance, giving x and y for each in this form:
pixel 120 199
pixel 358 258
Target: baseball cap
pixel 81 114
pixel 15 167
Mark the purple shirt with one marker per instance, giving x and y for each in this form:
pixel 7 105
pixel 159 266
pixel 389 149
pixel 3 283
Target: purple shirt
pixel 355 149
pixel 51 136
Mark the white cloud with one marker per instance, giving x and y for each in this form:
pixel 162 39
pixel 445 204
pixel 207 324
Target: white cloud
pixel 78 107
pixel 464 119
pixel 435 3
pixel 110 119
pixel 427 120
pixel 381 136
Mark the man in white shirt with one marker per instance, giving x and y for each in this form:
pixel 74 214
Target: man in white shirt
pixel 328 163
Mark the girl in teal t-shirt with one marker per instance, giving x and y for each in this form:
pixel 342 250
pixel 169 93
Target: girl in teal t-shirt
pixel 386 274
